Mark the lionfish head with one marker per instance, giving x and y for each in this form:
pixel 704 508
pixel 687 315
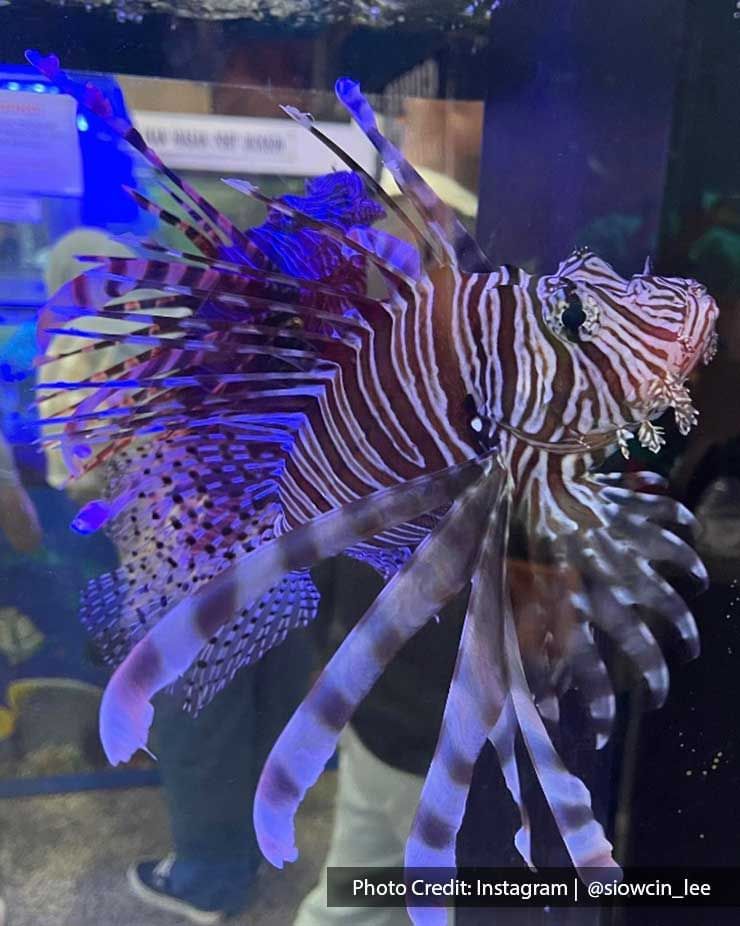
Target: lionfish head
pixel 646 333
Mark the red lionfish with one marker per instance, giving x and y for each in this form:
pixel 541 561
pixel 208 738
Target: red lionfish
pixel 435 432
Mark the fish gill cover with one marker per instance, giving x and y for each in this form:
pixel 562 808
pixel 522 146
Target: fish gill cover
pixel 450 433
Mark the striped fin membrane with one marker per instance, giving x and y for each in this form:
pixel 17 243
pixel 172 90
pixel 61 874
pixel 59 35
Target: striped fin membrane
pixel 169 649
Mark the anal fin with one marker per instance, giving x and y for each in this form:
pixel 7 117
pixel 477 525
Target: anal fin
pixel 292 603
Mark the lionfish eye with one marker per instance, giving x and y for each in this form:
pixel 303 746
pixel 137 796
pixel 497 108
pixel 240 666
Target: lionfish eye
pixel 569 315
pixel 573 316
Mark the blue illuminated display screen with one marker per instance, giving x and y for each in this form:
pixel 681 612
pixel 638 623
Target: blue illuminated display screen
pixel 106 165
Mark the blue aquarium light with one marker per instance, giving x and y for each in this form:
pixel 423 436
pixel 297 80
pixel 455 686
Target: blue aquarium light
pixel 107 164
pixel 100 200
pixel 28 86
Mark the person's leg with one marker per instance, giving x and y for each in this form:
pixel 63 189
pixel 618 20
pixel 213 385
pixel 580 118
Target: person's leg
pixel 374 811
pixel 210 765
pixel 281 683
pixel 206 767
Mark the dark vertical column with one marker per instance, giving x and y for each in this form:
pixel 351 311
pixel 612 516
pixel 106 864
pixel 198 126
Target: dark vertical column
pixel 578 123
pixel 577 128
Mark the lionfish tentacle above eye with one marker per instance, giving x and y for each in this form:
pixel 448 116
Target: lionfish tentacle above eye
pixel 436 571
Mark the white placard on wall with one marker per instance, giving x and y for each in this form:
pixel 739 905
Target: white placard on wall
pixel 39 144
pixel 245 145
pixel 20 209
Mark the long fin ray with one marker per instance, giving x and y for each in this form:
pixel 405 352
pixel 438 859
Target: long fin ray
pixel 303 219
pixel 566 795
pixel 436 571
pixel 503 738
pixel 198 237
pixel 307 123
pixel 449 232
pixel 93 100
pixel 475 701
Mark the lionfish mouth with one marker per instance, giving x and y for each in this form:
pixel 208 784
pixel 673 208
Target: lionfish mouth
pixel 698 340
pixel 696 344
pixel 709 347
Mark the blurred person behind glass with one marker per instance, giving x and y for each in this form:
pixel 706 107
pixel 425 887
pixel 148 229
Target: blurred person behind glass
pixel 19 524
pixel 209 764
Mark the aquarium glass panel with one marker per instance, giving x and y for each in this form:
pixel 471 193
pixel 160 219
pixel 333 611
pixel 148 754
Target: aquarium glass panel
pixel 369 462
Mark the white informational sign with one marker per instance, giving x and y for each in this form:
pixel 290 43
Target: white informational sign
pixel 20 209
pixel 39 144
pixel 244 145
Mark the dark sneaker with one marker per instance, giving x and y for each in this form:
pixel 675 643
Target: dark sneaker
pixel 150 881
